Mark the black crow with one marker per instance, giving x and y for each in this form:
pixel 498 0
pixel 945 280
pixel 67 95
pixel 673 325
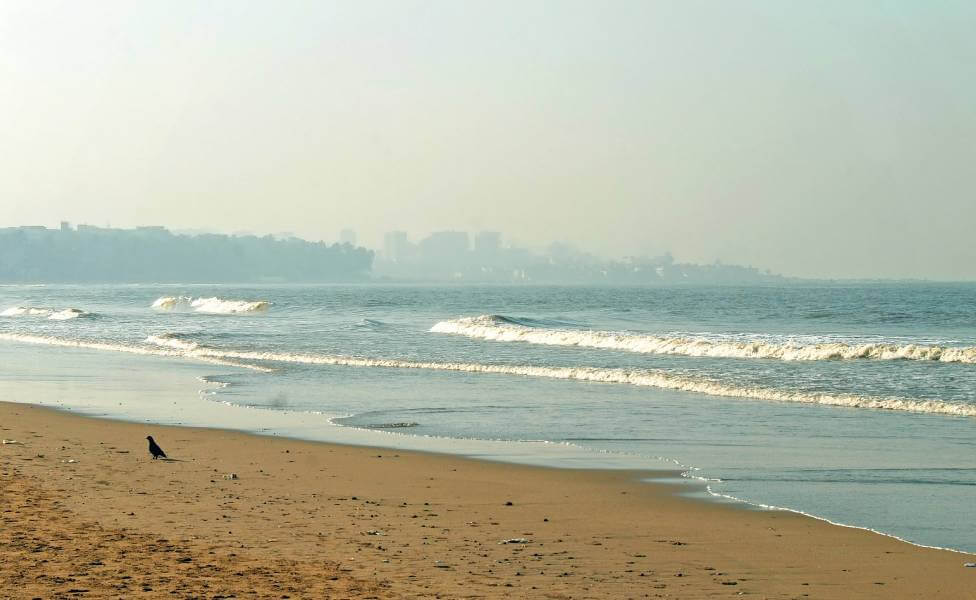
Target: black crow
pixel 154 448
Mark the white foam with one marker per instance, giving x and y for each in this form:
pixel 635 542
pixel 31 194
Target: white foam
pixel 173 346
pixel 26 311
pixel 171 302
pixel 214 305
pixel 66 314
pixel 50 313
pixel 226 307
pixel 638 377
pixel 170 341
pixel 129 349
pixel 491 327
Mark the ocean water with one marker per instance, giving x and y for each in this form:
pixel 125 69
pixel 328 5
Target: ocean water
pixel 853 403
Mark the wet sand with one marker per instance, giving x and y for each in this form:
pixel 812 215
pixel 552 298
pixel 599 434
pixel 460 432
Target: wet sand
pixel 87 513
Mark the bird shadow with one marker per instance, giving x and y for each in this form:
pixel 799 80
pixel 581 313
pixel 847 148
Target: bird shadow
pixel 170 460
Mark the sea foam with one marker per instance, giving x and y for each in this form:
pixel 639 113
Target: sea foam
pixel 66 314
pixel 169 345
pixel 168 340
pixel 125 348
pixel 639 377
pixel 214 305
pixel 505 329
pixel 51 313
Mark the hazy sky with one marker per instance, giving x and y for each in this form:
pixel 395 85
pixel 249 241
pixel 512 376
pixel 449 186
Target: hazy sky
pixel 813 138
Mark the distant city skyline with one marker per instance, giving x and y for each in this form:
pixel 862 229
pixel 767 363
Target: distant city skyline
pixel 89 253
pixel 402 244
pixel 818 139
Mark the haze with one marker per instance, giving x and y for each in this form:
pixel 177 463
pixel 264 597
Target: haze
pixel 830 139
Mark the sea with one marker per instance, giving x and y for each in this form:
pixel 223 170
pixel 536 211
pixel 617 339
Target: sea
pixel 853 403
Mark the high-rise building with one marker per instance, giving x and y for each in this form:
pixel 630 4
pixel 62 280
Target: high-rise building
pixel 445 246
pixel 487 243
pixel 396 247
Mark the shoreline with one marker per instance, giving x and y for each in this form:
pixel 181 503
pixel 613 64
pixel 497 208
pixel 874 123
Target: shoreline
pixel 400 523
pixel 690 487
pixel 300 425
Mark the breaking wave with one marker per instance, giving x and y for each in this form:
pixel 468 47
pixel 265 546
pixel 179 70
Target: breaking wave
pixel 216 306
pixel 128 349
pixel 51 313
pixel 168 340
pixel 68 313
pixel 172 302
pixel 20 311
pixel 506 329
pixel 173 346
pixel 639 377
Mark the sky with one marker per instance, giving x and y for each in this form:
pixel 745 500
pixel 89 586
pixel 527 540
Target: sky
pixel 819 139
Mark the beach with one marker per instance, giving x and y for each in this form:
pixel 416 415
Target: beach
pixel 757 391
pixel 87 513
pixel 487 300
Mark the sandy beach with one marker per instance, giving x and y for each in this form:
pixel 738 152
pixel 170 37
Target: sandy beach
pixel 87 513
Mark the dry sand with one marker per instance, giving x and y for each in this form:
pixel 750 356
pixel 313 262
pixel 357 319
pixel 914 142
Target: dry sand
pixel 86 513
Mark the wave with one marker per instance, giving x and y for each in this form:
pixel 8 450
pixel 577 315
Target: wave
pixel 172 302
pixel 128 349
pixel 169 340
pixel 174 346
pixel 638 377
pixel 66 314
pixel 19 311
pixel 530 321
pixel 51 313
pixel 214 305
pixel 505 329
pixel 370 324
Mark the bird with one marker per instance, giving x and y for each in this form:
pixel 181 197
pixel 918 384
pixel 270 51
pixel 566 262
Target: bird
pixel 154 448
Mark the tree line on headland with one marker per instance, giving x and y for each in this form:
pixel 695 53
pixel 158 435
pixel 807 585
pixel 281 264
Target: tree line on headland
pixel 154 254
pixel 89 254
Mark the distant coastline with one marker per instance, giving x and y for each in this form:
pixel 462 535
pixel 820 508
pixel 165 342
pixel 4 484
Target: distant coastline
pixel 89 254
pixel 154 254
